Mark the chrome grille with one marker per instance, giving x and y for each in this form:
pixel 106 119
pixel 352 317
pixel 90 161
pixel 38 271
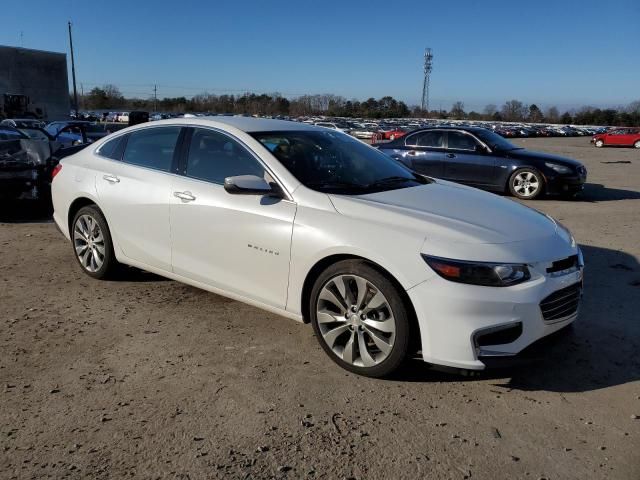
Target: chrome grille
pixel 561 303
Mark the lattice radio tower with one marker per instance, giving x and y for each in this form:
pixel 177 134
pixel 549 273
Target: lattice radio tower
pixel 428 66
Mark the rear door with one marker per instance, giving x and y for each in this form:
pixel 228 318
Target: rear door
pixel 465 161
pixel 424 152
pixel 134 190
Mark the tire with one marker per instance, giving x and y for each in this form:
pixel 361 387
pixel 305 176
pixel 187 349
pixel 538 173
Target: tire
pixel 637 144
pixel 90 230
pixel 373 339
pixel 526 183
pixel 599 143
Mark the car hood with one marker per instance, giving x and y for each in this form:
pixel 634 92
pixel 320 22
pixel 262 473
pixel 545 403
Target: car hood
pixel 523 154
pixel 463 222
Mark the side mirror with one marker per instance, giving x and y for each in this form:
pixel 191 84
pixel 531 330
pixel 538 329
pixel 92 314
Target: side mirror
pixel 247 185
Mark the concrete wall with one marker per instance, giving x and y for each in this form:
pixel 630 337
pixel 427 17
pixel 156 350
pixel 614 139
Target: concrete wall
pixel 40 75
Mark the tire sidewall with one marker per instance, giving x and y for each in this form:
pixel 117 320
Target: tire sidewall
pixel 540 180
pixel 109 263
pixel 390 291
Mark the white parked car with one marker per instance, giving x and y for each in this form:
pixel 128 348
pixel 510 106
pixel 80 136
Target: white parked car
pixel 123 117
pixel 317 226
pixel 332 126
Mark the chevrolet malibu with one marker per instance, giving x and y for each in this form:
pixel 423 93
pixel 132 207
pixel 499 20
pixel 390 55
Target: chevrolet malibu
pixel 314 225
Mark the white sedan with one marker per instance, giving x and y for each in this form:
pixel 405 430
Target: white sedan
pixel 314 225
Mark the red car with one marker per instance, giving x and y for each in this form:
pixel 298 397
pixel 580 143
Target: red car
pixel 622 137
pixel 388 135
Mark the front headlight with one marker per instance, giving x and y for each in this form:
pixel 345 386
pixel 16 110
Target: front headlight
pixel 479 273
pixel 558 168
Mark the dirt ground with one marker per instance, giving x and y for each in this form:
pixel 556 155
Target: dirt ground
pixel 147 378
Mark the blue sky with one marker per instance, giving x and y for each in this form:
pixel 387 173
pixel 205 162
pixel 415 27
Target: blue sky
pixel 567 53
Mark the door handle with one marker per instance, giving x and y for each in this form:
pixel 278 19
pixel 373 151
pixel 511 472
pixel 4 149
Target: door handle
pixel 451 155
pixel 184 196
pixel 111 178
pixel 412 153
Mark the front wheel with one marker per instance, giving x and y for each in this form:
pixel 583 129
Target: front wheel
pixel 637 144
pixel 360 319
pixel 526 183
pixel 599 143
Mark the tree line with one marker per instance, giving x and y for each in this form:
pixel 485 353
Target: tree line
pixel 110 97
pixel 516 111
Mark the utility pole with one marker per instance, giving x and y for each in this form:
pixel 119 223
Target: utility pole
pixel 428 66
pixel 73 73
pixel 155 99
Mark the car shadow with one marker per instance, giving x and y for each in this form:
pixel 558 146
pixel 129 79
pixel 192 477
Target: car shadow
pixel 26 211
pixel 601 349
pixel 135 275
pixel 596 192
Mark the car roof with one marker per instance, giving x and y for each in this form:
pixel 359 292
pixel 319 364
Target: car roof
pixel 245 124
pixel 452 127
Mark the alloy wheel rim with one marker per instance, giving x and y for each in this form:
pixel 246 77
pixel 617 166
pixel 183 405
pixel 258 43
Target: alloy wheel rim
pixel 88 242
pixel 355 320
pixel 526 184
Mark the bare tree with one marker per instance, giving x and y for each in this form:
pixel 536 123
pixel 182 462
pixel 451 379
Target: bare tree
pixel 457 110
pixel 553 116
pixel 514 111
pixel 490 110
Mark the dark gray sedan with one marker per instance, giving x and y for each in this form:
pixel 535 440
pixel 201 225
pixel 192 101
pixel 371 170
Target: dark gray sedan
pixel 481 158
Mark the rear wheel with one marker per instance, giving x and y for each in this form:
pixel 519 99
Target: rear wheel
pixel 637 144
pixel 526 183
pixel 92 245
pixel 360 319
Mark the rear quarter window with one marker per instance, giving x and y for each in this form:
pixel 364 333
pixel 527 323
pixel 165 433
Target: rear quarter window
pixel 110 148
pixel 152 147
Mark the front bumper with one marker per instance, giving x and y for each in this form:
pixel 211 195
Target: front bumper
pixel 558 185
pixel 452 316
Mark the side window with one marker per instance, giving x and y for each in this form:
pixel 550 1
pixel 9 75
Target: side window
pixel 152 147
pixel 429 138
pixel 460 141
pixel 434 139
pixel 110 149
pixel 214 156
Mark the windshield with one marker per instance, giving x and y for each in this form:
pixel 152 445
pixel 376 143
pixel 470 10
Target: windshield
pixel 495 141
pixel 333 162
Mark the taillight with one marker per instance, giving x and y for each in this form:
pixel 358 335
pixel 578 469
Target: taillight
pixel 56 170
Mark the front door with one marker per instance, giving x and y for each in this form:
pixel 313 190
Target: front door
pixel 466 162
pixel 238 243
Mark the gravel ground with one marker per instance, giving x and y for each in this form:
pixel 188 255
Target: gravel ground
pixel 147 378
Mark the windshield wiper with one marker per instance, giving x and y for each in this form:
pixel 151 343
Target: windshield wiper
pixel 390 180
pixel 335 184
